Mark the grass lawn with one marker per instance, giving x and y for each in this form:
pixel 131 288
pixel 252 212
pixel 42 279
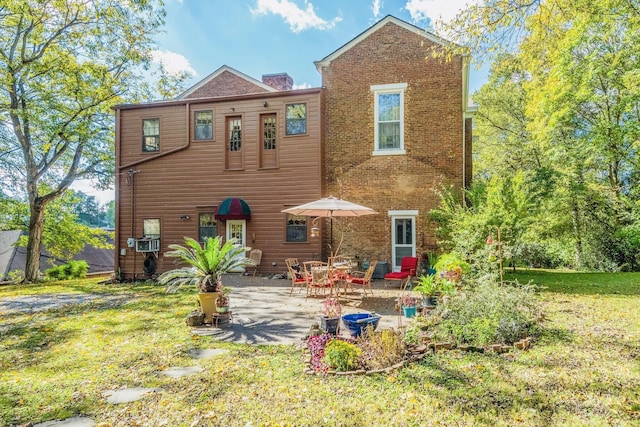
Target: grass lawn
pixel 584 370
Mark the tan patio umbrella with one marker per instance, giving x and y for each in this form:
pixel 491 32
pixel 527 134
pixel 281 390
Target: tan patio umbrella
pixel 330 207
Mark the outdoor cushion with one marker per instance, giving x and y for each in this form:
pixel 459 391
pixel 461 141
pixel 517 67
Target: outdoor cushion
pixel 296 270
pixel 397 275
pixel 356 280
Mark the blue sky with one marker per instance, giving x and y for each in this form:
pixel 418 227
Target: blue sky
pixel 259 37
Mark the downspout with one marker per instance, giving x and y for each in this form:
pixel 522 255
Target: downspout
pixel 166 153
pixel 131 175
pixel 465 100
pixel 116 258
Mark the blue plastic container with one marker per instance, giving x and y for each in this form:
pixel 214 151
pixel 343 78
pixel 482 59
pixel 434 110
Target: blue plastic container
pixel 357 322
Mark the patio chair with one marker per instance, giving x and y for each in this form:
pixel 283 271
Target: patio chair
pixel 297 274
pixel 340 267
pixel 256 256
pixel 363 279
pixel 408 269
pixel 320 278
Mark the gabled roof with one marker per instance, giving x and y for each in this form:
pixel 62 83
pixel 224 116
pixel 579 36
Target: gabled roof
pixel 375 27
pixel 8 239
pixel 219 71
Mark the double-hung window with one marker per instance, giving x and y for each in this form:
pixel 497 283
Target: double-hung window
pixel 296 228
pixel 207 226
pixel 389 118
pixel 150 135
pixel 296 119
pixel 203 125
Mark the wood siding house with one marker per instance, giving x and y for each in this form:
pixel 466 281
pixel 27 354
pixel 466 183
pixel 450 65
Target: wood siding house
pixel 388 127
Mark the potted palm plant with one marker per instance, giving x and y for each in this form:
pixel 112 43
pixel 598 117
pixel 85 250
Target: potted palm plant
pixel 206 264
pixel 427 286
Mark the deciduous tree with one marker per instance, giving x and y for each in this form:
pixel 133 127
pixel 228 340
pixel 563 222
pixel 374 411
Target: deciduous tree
pixel 63 64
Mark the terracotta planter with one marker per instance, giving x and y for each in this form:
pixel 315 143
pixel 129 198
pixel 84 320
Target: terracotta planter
pixel 208 304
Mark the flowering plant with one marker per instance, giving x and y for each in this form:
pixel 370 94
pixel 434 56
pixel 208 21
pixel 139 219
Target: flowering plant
pixel 331 308
pixel 407 301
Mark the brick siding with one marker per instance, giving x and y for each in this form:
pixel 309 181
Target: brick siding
pixel 433 136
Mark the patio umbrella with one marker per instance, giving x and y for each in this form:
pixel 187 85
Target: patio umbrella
pixel 330 207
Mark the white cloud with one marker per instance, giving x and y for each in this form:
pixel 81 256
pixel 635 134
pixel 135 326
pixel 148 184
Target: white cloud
pixel 173 63
pixel 301 86
pixel 420 10
pixel 298 19
pixel 376 6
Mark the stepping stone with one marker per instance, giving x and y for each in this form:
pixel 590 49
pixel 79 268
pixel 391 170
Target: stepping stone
pixel 69 422
pixel 127 395
pixel 179 371
pixel 207 353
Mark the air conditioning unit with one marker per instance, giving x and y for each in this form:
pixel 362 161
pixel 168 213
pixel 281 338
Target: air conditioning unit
pixel 147 244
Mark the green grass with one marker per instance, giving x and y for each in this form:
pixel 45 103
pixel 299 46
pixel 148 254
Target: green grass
pixel 567 282
pixel 584 370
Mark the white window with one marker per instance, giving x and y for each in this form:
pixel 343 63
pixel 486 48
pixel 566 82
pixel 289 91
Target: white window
pixel 150 135
pixel 203 121
pixel 389 118
pixel 296 119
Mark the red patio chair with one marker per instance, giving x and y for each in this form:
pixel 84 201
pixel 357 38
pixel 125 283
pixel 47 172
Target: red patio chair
pixel 363 278
pixel 408 268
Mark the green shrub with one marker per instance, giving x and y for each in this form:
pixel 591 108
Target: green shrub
pixel 70 270
pixel 341 355
pixel 490 313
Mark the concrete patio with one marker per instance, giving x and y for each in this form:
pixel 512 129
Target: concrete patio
pixel 264 313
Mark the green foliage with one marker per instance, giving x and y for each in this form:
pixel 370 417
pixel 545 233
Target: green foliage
pixel 489 313
pixel 426 285
pixel 205 264
pixel 63 235
pixel 90 213
pixel 63 65
pixel 451 262
pixel 68 271
pixel 341 355
pixel 582 369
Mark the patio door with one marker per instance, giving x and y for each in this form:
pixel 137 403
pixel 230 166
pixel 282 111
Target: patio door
pixel 403 236
pixel 237 229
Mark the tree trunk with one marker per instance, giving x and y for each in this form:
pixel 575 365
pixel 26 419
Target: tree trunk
pixel 575 216
pixel 34 244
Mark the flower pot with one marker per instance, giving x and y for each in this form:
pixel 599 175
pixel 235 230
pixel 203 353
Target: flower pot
pixel 222 309
pixel 409 311
pixel 330 324
pixel 429 301
pixel 208 304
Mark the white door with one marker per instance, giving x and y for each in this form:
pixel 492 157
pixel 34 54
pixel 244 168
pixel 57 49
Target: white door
pixel 403 238
pixel 237 229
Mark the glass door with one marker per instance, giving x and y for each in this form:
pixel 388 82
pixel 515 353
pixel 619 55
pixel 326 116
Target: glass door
pixel 237 229
pixel 403 236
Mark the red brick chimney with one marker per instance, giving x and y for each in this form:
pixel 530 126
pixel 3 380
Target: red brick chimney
pixel 280 81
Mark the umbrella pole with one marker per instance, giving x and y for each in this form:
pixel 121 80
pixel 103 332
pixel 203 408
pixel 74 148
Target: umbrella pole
pixel 331 239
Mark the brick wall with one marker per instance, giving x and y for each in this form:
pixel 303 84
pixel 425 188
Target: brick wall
pixel 433 136
pixel 226 84
pixel 281 81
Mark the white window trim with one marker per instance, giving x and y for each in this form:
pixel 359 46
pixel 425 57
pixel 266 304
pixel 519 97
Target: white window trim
pixel 382 89
pixel 407 214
